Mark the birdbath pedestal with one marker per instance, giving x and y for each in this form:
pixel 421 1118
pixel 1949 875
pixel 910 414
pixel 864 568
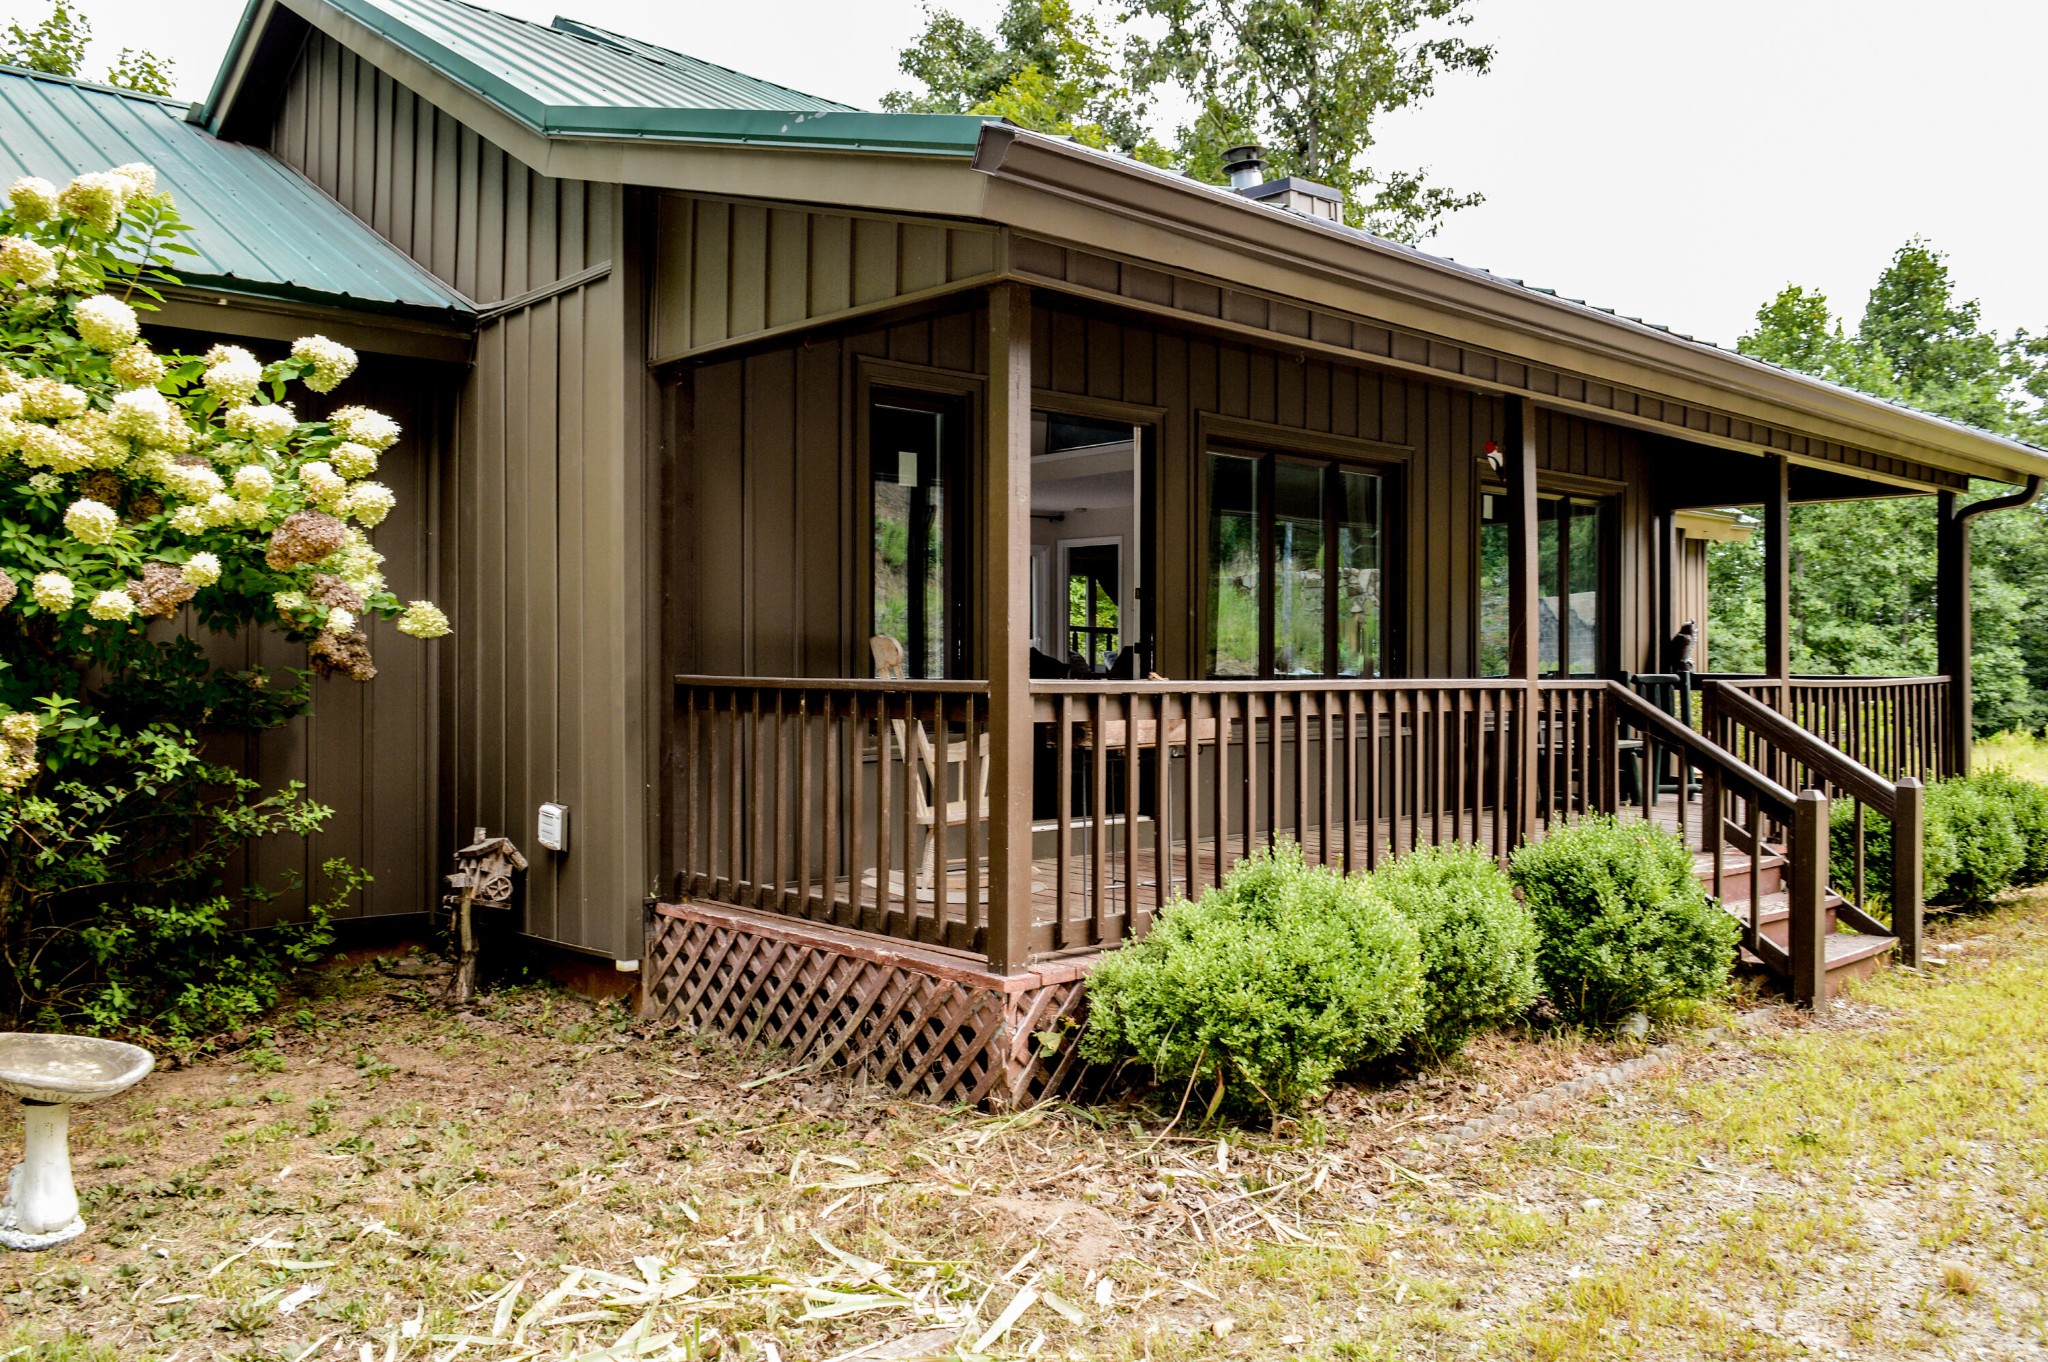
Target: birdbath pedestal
pixel 49 1073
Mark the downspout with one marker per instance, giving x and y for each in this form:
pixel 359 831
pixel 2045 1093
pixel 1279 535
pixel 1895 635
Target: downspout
pixel 1953 631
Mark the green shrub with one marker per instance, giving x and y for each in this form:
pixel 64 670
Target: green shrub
pixel 2027 802
pixel 1623 923
pixel 1989 851
pixel 1937 851
pixel 1478 941
pixel 1262 990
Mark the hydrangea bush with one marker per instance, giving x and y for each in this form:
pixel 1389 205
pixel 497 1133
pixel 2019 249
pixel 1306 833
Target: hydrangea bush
pixel 141 492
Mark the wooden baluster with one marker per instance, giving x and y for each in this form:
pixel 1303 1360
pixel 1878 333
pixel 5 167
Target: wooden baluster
pixel 882 830
pixel 829 833
pixel 778 883
pixel 1063 813
pixel 1219 849
pixel 1098 804
pixel 1191 784
pixel 1371 776
pixel 856 742
pixel 974 926
pixel 1162 803
pixel 935 843
pixel 1128 918
pixel 806 900
pixel 1856 824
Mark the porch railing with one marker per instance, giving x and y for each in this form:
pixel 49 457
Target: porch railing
pixel 1895 726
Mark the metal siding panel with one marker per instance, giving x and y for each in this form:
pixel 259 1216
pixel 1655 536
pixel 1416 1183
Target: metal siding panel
pixel 710 271
pixel 774 591
pixel 831 274
pixel 747 285
pixel 789 262
pixel 921 255
pixel 874 260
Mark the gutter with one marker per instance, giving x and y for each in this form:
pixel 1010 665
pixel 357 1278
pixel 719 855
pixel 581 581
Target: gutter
pixel 2008 502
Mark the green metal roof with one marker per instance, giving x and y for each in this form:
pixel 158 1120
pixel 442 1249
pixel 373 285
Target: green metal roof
pixel 573 79
pixel 257 225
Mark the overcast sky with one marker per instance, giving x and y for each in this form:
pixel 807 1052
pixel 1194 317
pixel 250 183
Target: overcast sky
pixel 1676 162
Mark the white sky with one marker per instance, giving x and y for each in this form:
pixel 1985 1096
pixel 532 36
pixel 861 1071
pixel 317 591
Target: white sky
pixel 1676 162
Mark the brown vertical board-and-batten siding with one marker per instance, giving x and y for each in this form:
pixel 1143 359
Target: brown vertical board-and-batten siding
pixel 725 270
pixel 543 540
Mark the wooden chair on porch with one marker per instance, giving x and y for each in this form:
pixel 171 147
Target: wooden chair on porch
pixel 933 812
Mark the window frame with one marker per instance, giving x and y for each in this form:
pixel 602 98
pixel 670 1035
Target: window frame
pixel 1606 500
pixel 1333 455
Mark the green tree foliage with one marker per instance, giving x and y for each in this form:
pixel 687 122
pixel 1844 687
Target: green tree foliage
pixel 1046 66
pixel 57 46
pixel 1863 572
pixel 1306 80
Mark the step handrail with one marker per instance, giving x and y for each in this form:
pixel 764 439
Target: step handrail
pixel 1706 753
pixel 1814 752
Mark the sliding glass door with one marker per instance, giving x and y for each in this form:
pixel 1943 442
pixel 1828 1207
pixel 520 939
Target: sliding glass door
pixel 916 458
pixel 1572 579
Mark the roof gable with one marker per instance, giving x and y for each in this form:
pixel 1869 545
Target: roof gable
pixel 571 79
pixel 258 227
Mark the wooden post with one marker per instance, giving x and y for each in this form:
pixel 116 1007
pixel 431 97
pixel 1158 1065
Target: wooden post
pixel 1908 867
pixel 1006 531
pixel 1523 593
pixel 1952 632
pixel 1808 890
pixel 1778 579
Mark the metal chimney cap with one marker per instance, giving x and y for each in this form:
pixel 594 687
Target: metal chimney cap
pixel 1245 165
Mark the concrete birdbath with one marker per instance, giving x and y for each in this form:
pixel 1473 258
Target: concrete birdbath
pixel 49 1074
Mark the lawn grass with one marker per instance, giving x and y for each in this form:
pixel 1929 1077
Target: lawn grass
pixel 2024 754
pixel 1871 1185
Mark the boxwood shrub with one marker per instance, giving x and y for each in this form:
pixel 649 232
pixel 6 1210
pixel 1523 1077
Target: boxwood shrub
pixel 1478 941
pixel 1261 991
pixel 1623 923
pixel 1989 852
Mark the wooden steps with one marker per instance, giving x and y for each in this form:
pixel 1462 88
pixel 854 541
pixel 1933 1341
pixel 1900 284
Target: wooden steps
pixel 1851 954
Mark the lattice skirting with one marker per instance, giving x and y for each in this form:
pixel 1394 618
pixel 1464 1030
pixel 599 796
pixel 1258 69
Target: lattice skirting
pixel 928 1023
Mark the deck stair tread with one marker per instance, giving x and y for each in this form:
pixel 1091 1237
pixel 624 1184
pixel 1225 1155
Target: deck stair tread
pixel 1847 948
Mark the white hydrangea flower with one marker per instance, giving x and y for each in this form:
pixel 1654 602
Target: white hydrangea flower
pixel 104 322
pixel 91 522
pixel 48 447
pixel 341 620
pixel 423 619
pixel 352 460
pixel 143 414
pixel 290 602
pixel 201 569
pixel 105 446
pixel 28 261
pixel 358 564
pixel 369 502
pixel 189 520
pixel 320 481
pixel 364 426
pixel 53 591
pixel 267 425
pixel 251 513
pixel 232 374
pixel 254 482
pixel 45 483
pixel 139 175
pixel 52 401
pixel 332 361
pixel 192 481
pixel 33 199
pixel 138 367
pixel 97 198
pixel 21 727
pixel 10 433
pixel 111 605
pixel 222 509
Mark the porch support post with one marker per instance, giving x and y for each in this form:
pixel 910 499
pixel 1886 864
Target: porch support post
pixel 1952 631
pixel 1523 592
pixel 1006 616
pixel 1778 577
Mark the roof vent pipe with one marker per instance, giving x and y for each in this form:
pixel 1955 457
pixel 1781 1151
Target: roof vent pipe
pixel 1246 167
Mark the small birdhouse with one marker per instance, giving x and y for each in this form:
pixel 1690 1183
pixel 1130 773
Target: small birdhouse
pixel 484 869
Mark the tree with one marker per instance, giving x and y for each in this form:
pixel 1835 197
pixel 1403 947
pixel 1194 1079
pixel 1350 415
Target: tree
pixel 1863 588
pixel 1306 80
pixel 57 46
pixel 1046 67
pixel 141 488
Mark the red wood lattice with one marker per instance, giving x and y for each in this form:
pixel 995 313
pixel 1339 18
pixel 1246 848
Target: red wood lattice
pixel 927 1024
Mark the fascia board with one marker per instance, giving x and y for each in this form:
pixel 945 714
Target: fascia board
pixel 1047 189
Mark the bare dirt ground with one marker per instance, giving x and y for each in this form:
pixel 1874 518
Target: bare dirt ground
pixel 544 1177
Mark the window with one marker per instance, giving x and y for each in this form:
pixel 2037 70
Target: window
pixel 1294 567
pixel 915 455
pixel 1092 629
pixel 1571 575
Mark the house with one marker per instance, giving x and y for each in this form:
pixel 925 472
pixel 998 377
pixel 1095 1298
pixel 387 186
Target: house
pixel 913 548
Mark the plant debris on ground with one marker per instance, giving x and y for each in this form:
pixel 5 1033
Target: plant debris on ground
pixel 540 1176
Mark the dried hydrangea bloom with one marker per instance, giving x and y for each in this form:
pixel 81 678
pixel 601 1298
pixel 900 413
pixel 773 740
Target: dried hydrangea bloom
pixel 138 367
pixel 334 593
pixel 304 537
pixel 28 261
pixel 104 486
pixel 342 655
pixel 8 590
pixel 146 505
pixel 33 199
pixel 111 605
pixel 365 427
pixel 105 323
pixel 53 591
pixel 162 590
pixel 332 362
pixel 423 619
